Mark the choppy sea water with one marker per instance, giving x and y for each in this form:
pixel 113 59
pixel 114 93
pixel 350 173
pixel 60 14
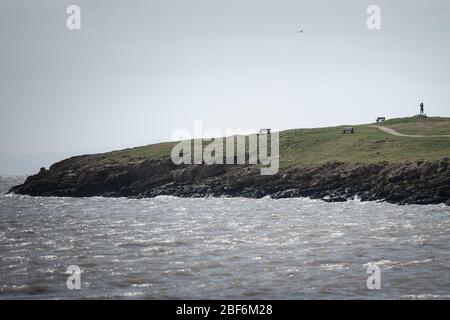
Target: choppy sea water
pixel 233 248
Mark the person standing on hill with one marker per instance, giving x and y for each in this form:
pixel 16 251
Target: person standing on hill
pixel 421 108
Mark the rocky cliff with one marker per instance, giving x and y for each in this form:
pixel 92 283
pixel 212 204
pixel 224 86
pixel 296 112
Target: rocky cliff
pixel 406 182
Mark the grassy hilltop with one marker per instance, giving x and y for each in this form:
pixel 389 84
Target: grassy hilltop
pixel 311 146
pixel 374 163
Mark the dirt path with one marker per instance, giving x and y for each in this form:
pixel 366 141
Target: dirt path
pixel 395 133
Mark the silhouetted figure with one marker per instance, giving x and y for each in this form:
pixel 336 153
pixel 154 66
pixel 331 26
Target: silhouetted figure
pixel 421 108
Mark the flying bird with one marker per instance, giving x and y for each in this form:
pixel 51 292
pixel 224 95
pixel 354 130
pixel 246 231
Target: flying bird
pixel 300 31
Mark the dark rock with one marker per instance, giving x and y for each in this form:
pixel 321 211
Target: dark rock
pixel 184 176
pixel 422 182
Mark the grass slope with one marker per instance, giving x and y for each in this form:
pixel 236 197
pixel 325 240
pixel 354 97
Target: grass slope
pixel 311 146
pixel 420 125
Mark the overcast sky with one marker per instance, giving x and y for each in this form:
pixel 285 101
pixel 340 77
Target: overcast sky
pixel 139 69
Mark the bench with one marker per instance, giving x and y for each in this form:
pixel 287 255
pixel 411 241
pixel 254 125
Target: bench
pixel 381 119
pixel 264 131
pixel 348 130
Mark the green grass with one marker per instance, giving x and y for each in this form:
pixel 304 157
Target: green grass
pixel 367 144
pixel 153 151
pixel 311 146
pixel 420 125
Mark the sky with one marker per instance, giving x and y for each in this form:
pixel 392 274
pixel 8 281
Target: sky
pixel 138 70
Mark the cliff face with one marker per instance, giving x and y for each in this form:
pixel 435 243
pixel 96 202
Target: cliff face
pixel 418 182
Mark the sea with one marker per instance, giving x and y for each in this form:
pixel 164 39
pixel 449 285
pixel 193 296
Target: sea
pixel 220 248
